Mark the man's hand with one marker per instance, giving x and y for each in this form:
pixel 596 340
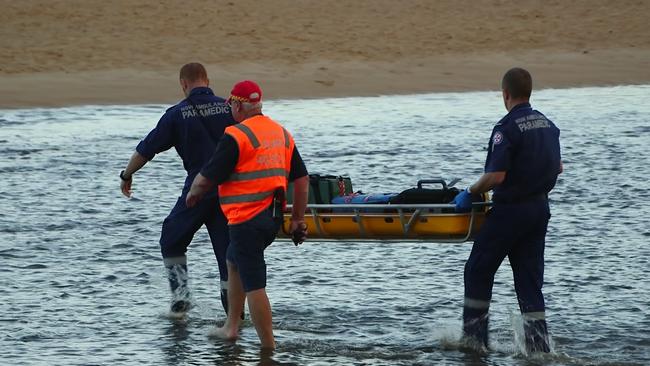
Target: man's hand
pixel 193 196
pixel 136 162
pixel 298 230
pixel 192 199
pixel 463 201
pixel 125 184
pixel 200 186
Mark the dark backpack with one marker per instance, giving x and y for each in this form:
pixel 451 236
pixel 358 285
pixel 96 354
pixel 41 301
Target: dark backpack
pixel 422 195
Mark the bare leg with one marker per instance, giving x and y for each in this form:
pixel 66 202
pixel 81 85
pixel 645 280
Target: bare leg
pixel 236 298
pixel 260 309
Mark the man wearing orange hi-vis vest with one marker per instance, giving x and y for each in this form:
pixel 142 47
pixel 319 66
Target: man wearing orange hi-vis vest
pixel 253 163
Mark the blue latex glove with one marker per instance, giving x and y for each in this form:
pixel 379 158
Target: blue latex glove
pixel 463 201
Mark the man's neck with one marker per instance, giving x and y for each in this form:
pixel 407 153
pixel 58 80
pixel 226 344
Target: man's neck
pixel 198 84
pixel 515 102
pixel 253 114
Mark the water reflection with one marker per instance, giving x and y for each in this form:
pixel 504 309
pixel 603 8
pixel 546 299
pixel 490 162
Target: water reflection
pixel 177 349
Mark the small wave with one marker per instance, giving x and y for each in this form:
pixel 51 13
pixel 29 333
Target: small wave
pixel 35 266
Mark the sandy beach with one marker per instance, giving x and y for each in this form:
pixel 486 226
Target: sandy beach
pixel 71 52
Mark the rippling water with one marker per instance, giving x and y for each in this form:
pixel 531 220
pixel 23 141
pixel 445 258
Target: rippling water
pixel 81 279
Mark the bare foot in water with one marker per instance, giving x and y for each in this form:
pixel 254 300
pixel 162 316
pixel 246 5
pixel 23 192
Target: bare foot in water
pixel 224 333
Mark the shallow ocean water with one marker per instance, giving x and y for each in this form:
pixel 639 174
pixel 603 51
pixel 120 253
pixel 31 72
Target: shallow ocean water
pixel 81 278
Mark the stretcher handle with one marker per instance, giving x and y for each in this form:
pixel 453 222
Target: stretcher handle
pixel 433 181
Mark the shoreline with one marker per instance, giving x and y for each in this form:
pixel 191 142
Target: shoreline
pixel 81 52
pixel 325 78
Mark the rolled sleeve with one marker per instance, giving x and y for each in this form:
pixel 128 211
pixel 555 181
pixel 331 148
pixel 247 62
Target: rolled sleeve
pixel 160 139
pixel 298 168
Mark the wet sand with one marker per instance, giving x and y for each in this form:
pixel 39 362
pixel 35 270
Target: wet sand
pixel 73 52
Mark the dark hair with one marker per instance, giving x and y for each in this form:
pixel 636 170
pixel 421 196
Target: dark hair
pixel 193 71
pixel 518 83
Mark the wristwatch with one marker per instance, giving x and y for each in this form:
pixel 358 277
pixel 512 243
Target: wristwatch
pixel 122 177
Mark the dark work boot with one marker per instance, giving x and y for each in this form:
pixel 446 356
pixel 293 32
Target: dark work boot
pixel 536 334
pixel 177 276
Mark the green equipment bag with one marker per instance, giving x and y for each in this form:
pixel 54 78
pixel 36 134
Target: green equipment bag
pixel 323 188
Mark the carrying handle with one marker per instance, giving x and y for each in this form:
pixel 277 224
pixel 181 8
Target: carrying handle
pixel 433 181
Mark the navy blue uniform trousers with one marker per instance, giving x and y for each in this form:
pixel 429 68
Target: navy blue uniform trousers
pixel 183 222
pixel 515 230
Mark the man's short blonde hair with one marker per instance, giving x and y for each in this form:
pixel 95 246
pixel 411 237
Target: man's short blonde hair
pixel 193 71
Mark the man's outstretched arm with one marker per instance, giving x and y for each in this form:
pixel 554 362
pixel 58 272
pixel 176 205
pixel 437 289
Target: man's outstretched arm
pixel 136 162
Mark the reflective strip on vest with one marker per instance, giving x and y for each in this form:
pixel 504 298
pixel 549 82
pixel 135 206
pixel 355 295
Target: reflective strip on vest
pixel 251 197
pixel 251 136
pixel 278 172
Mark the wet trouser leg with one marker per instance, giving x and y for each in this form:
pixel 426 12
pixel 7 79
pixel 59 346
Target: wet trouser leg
pixel 527 261
pixel 178 229
pixel 217 226
pixel 177 277
pixel 518 231
pixel 490 248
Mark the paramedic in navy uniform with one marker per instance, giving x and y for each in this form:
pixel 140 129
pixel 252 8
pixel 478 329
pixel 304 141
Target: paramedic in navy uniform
pixel 522 165
pixel 194 134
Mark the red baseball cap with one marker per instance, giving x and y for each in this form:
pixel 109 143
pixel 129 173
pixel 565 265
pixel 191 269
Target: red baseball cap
pixel 246 91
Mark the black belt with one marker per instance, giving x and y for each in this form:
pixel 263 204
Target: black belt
pixel 532 197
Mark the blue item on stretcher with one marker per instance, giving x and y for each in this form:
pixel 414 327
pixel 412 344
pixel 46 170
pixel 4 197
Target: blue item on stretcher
pixel 360 198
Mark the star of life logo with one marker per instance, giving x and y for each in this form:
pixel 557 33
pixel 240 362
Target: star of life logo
pixel 497 138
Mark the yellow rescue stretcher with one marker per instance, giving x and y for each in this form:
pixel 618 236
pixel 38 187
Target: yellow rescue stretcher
pixel 392 222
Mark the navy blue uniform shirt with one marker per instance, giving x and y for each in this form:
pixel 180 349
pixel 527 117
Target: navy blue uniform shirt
pixel 193 137
pixel 526 145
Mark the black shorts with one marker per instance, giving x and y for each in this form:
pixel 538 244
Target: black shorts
pixel 246 250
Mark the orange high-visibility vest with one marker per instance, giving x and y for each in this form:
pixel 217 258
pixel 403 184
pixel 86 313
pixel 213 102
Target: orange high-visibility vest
pixel 265 150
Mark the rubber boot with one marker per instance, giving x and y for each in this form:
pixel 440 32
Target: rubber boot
pixel 475 327
pixel 177 275
pixel 536 334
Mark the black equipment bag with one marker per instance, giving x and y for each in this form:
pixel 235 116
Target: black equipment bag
pixel 422 195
